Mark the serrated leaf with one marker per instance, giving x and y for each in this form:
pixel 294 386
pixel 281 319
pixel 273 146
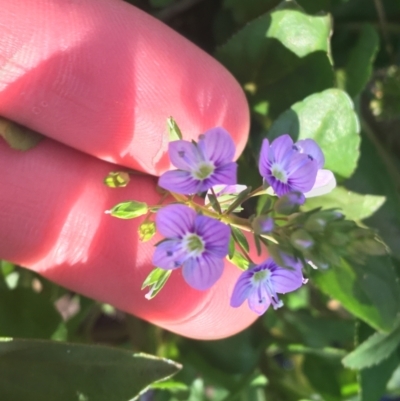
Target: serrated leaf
pixel 374 350
pixel 174 131
pixel 353 205
pixel 328 118
pixel 370 291
pixel 239 260
pixel 60 371
pixel 241 239
pixel 280 47
pixel 117 179
pixel 156 280
pixel 128 210
pixel 17 136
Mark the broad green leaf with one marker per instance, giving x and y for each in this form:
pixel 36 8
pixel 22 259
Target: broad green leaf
pixel 17 136
pixel 372 177
pixel 156 281
pixel 49 371
pixel 280 58
pixel 328 118
pixel 371 291
pixel 354 206
pixel 358 69
pixel 117 179
pixel 24 313
pixel 128 210
pixel 373 380
pixel 374 350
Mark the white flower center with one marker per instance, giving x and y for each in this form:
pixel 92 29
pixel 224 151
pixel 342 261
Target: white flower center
pixel 279 173
pixel 193 244
pixel 203 170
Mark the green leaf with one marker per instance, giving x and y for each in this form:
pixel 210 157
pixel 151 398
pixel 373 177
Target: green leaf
pixel 372 177
pixel 286 58
pixel 156 280
pixel 117 179
pixel 239 260
pixel 328 118
pixel 354 206
pixel 244 11
pixel 374 350
pixel 174 131
pixel 60 371
pixel 17 136
pixel 240 238
pixel 231 247
pixel 371 291
pixel 24 313
pixel 358 69
pixel 128 210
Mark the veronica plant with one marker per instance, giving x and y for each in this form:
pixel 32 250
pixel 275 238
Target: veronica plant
pixel 200 234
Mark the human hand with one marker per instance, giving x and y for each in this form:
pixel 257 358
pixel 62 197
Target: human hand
pixel 102 77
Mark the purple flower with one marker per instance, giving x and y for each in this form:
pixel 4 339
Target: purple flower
pixel 197 243
pixel 261 284
pixel 201 165
pixel 288 166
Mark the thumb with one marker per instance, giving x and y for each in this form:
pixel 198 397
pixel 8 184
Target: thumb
pixel 102 76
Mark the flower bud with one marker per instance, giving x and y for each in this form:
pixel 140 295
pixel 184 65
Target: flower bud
pixel 302 240
pixel 263 224
pixel 289 203
pixel 147 230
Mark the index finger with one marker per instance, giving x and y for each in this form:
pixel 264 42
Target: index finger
pixel 102 76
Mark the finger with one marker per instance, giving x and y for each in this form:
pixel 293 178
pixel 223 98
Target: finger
pixel 52 221
pixel 103 77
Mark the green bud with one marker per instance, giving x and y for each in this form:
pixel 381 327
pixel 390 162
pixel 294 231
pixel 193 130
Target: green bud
pixel 156 281
pixel 315 224
pixel 302 240
pixel 128 210
pixel 174 132
pixel 147 230
pixel 337 238
pixel 117 179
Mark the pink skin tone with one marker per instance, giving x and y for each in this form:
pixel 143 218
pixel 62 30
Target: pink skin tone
pixel 102 77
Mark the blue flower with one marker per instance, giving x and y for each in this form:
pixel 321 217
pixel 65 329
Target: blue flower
pixel 261 284
pixel 197 243
pixel 201 165
pixel 288 166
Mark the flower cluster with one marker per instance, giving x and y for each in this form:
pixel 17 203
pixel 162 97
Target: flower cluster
pixel 198 237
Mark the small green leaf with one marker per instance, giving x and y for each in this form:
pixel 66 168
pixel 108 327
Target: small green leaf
pixel 128 210
pixel 240 238
pixel 231 247
pixel 174 132
pixel 117 179
pixel 17 136
pixel 374 350
pixel 214 202
pixel 66 372
pixel 239 200
pixel 328 118
pixel 354 206
pixel 239 260
pixel 147 230
pixel 156 280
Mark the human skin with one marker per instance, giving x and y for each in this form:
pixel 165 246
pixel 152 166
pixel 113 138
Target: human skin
pixel 99 78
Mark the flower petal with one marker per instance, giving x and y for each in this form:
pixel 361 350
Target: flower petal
pixel 179 181
pixel 242 289
pixel 226 174
pixel 264 165
pixel 184 155
pixel 259 300
pixel 280 147
pixel 302 173
pixel 311 148
pixel 215 235
pixel 174 221
pixel 169 255
pixel 285 280
pixel 324 183
pixel 202 272
pixel 217 146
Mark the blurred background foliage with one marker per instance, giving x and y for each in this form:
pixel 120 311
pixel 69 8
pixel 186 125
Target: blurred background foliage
pixel 336 338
